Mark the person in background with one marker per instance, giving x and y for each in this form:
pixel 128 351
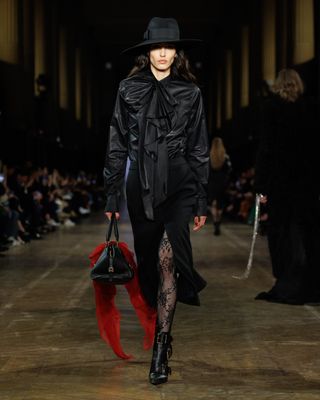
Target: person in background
pixel 287 177
pixel 218 181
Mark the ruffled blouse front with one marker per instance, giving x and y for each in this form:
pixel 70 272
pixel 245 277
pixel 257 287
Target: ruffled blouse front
pixel 154 121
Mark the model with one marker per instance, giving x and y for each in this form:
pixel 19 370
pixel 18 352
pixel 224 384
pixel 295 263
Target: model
pixel 159 123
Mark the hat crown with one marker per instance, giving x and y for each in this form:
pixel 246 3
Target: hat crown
pixel 162 29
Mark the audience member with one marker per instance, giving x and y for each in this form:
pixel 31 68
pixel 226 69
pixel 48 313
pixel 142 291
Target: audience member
pixel 218 181
pixel 34 201
pixel 286 176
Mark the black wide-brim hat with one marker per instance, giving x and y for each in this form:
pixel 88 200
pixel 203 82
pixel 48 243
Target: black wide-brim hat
pixel 162 30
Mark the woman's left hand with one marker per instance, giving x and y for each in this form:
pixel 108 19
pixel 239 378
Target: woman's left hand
pixel 199 222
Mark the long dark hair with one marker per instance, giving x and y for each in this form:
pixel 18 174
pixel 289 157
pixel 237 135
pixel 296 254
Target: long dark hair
pixel 180 68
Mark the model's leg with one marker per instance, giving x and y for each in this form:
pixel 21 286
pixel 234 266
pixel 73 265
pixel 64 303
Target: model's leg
pixel 167 292
pixel 147 236
pixel 216 211
pixel 166 304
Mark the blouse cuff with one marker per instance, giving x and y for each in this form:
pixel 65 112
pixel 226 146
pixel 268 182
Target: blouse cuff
pixel 112 204
pixel 201 207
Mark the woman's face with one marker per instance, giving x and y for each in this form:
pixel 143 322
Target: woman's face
pixel 162 56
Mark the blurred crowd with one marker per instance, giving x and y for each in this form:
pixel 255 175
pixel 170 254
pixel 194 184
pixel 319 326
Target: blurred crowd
pixel 238 203
pixel 35 201
pixel 240 196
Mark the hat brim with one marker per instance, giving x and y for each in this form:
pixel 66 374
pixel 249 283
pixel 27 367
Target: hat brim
pixel 143 46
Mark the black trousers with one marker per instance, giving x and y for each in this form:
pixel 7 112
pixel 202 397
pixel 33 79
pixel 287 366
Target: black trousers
pixel 173 217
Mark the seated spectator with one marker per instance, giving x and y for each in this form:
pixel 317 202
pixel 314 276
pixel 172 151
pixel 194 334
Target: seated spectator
pixel 35 201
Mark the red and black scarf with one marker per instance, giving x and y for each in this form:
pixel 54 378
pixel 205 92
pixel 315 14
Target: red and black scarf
pixel 108 315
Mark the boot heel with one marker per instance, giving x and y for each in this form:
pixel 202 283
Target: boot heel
pixel 162 351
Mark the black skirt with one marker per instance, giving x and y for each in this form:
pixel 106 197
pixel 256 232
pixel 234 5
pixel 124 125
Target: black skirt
pixel 173 217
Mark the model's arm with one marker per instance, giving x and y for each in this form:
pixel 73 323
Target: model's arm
pixel 198 152
pixel 116 156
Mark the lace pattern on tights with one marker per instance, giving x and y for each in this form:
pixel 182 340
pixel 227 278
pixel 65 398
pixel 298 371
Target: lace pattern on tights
pixel 167 291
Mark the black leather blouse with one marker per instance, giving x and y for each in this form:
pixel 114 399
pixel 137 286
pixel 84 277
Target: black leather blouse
pixel 154 121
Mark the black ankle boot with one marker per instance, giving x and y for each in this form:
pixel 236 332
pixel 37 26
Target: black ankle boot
pixel 162 351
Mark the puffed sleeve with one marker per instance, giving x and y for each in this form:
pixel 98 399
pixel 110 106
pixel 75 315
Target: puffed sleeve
pixel 198 151
pixel 116 154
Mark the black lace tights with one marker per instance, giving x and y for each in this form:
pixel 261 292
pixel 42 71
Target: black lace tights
pixel 167 291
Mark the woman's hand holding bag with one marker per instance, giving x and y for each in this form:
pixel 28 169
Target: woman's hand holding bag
pixel 112 266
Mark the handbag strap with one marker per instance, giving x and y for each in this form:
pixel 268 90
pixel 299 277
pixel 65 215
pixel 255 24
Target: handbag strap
pixel 113 224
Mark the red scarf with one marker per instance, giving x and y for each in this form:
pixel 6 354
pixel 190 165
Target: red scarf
pixel 108 316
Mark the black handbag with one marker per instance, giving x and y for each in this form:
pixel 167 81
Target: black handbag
pixel 112 266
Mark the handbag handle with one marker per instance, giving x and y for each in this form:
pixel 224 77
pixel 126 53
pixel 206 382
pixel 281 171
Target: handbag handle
pixel 113 224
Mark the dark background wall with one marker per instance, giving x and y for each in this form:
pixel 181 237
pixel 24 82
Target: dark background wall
pixel 60 66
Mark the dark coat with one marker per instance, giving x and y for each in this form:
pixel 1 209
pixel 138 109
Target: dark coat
pixel 218 182
pixel 287 171
pixel 285 159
